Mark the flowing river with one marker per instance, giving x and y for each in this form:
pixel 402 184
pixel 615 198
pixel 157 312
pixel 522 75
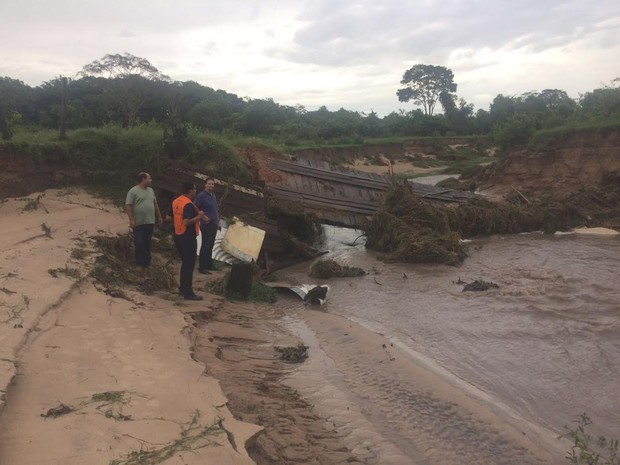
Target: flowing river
pixel 546 344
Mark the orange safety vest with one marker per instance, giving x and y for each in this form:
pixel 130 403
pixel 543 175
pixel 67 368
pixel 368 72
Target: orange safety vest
pixel 177 214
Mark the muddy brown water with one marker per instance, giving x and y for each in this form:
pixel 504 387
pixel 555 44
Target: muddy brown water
pixel 542 349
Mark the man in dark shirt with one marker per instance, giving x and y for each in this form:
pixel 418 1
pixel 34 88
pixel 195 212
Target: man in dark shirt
pixel 186 218
pixel 207 203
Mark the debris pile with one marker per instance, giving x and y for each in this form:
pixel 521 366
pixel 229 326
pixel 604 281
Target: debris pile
pixel 408 228
pixel 331 269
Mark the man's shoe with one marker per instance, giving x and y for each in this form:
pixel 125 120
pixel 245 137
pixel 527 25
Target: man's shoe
pixel 193 297
pixel 204 272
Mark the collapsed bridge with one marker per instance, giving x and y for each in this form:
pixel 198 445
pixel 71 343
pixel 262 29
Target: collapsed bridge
pixel 336 195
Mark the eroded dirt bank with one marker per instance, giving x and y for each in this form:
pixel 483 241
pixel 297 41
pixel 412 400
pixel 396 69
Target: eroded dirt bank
pixel 559 167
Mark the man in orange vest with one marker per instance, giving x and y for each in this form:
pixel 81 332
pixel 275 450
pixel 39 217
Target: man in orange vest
pixel 186 219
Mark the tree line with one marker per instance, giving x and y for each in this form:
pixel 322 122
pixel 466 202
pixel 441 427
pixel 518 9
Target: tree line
pixel 128 90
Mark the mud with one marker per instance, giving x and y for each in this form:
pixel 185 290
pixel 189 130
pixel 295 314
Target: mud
pixel 236 344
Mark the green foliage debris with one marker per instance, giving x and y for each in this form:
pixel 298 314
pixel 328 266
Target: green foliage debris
pixel 329 268
pixel 588 449
pixel 293 354
pixel 480 285
pixel 114 266
pixel 408 228
pixel 55 412
pixel 67 271
pixel 193 437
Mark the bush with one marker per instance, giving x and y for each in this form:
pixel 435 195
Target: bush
pixel 215 154
pixel 115 148
pixel 518 130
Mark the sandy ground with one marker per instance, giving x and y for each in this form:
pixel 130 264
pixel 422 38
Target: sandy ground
pixel 123 367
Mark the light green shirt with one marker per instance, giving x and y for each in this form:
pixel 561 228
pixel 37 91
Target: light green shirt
pixel 142 203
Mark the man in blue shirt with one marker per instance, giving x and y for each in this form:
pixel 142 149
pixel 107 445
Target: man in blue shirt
pixel 207 203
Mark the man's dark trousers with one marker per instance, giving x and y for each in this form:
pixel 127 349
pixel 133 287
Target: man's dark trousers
pixel 142 236
pixel 208 231
pixel 186 245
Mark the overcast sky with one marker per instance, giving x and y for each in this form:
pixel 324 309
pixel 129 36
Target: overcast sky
pixel 336 53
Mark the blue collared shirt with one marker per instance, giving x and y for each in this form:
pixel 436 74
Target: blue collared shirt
pixel 208 204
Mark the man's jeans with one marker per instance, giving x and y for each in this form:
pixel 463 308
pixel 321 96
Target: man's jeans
pixel 209 231
pixel 186 245
pixel 142 241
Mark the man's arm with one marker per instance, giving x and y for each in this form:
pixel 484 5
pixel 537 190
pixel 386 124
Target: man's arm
pixel 129 211
pixel 199 201
pixel 158 214
pixel 188 219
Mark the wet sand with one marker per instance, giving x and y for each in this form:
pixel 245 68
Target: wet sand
pixel 342 398
pixel 208 371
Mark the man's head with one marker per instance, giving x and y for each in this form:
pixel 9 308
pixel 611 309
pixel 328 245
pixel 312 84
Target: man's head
pixel 209 185
pixel 144 179
pixel 188 189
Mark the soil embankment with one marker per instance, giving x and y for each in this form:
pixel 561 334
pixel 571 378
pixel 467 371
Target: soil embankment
pixel 558 167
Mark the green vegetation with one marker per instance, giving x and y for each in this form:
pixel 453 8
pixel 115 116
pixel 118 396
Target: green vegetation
pixel 262 293
pixel 47 231
pixel 331 269
pixel 59 411
pixel 479 286
pixel 34 204
pixel 409 229
pixel 588 449
pixel 80 254
pixel 426 85
pixel 259 292
pixel 113 399
pixel 109 396
pixel 136 114
pixel 73 273
pixel 114 267
pixel 193 437
pixel 294 354
pixel 111 149
pixel 601 126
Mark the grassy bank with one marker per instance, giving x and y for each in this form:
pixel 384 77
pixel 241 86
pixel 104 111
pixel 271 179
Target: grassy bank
pixel 113 148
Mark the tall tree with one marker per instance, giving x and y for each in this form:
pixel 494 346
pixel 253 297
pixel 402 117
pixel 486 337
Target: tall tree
pixel 63 109
pixel 14 102
pixel 117 65
pixel 424 84
pixel 131 80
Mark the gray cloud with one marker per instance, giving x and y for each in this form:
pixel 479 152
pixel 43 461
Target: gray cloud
pixel 342 33
pixel 356 49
